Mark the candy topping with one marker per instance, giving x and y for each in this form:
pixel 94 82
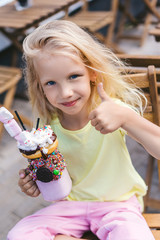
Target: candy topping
pixel 56 172
pixel 44 175
pixel 54 165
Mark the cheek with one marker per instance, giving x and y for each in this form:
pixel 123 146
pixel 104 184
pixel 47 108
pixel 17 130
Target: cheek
pixel 51 97
pixel 87 89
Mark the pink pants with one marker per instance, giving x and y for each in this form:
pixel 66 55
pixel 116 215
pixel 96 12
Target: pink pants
pixel 107 220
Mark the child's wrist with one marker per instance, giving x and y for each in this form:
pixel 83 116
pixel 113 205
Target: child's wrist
pixel 126 117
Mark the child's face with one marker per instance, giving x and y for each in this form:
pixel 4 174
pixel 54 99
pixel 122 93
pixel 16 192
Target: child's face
pixel 66 83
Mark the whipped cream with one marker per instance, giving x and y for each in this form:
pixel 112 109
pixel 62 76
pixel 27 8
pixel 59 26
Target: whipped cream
pixel 40 138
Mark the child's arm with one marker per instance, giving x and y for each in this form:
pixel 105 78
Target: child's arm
pixel 144 132
pixel 27 185
pixel 109 116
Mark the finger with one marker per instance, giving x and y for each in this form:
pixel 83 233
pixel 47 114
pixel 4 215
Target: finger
pixel 94 122
pixel 92 115
pixel 28 178
pixel 27 188
pixel 22 173
pixel 36 193
pixel 31 190
pixel 29 185
pixel 25 180
pixel 103 95
pixel 98 127
pixel 103 131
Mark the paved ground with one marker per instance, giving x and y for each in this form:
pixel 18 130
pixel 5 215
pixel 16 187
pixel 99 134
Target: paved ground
pixel 14 205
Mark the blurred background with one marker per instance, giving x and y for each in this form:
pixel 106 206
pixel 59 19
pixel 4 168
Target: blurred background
pixel 129 27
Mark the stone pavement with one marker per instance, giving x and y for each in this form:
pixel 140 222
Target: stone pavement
pixel 14 204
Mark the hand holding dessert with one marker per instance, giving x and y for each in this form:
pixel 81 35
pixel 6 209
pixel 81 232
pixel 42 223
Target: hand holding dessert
pixel 27 185
pixel 46 165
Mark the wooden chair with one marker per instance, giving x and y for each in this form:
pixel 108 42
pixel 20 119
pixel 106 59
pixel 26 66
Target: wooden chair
pixel 9 77
pixel 127 15
pixel 153 221
pixel 139 63
pixel 93 21
pixel 140 60
pixel 147 82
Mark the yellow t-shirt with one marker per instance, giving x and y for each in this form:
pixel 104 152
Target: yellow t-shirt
pixel 99 165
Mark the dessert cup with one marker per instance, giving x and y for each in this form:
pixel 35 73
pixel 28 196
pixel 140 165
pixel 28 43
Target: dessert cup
pixel 56 189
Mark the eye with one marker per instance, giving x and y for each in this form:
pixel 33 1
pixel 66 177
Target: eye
pixel 74 76
pixel 51 83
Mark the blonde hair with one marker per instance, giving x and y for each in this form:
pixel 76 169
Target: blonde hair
pixel 65 37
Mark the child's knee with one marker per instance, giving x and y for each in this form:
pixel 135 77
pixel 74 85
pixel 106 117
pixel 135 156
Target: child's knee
pixel 17 234
pixel 22 232
pixel 124 230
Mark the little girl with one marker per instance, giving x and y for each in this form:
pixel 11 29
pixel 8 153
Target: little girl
pixel 75 85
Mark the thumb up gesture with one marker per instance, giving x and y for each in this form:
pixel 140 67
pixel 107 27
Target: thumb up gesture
pixel 108 116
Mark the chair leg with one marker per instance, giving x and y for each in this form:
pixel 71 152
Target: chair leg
pixel 14 58
pixel 108 39
pixel 145 30
pixel 110 32
pixel 124 16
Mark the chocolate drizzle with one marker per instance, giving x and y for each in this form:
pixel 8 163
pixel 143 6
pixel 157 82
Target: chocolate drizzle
pixel 43 154
pixel 29 152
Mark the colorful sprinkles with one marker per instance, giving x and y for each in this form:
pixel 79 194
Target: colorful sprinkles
pixel 54 162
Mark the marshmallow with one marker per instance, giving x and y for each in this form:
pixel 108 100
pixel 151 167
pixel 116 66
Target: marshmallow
pixel 45 150
pixel 20 140
pixel 24 141
pixel 12 128
pixel 25 136
pixel 5 115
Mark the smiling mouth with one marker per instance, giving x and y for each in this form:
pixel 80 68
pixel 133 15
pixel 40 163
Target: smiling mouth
pixel 70 104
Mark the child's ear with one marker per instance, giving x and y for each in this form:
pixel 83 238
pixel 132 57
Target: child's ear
pixel 93 76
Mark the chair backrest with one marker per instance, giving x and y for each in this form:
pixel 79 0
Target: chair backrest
pixel 139 63
pixel 140 60
pixel 148 83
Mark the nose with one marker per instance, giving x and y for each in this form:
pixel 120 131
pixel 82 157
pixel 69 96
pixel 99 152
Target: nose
pixel 66 91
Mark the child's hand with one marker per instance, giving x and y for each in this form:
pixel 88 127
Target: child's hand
pixel 108 116
pixel 27 185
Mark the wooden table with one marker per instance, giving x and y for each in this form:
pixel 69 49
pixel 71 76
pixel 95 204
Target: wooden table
pixel 14 24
